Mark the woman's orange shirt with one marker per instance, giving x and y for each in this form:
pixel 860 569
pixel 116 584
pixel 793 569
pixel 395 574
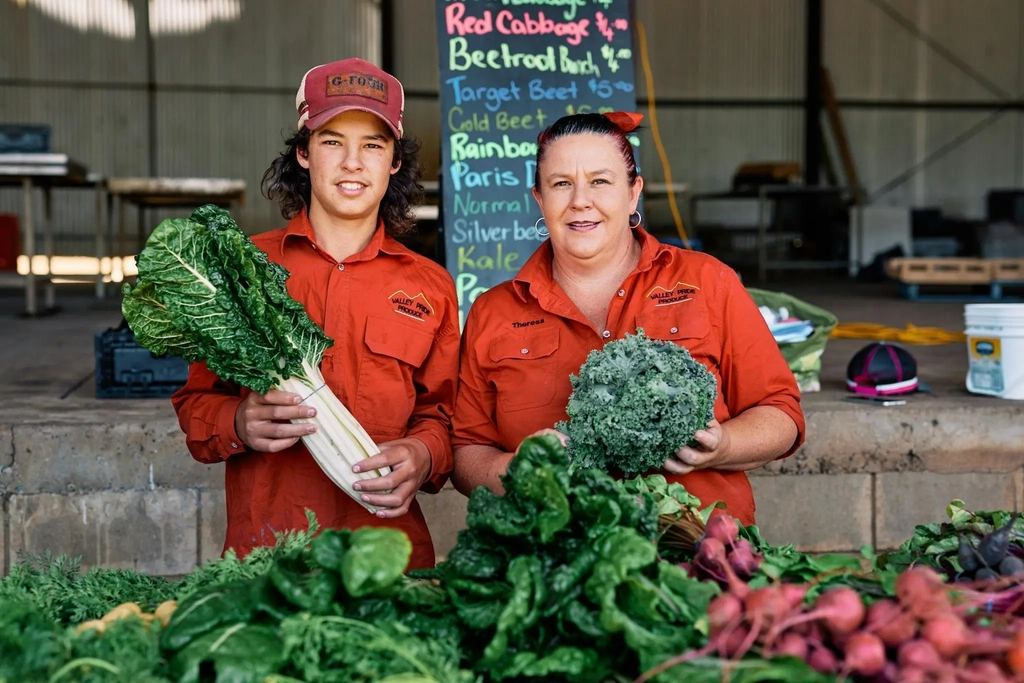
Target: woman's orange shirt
pixel 523 338
pixel 394 364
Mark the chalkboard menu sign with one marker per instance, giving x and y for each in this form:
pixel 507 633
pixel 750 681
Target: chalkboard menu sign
pixel 509 69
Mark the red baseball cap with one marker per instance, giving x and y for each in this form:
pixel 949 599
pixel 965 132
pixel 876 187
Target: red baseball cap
pixel 350 84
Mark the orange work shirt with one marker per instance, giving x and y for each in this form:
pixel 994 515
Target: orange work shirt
pixel 524 337
pixel 394 320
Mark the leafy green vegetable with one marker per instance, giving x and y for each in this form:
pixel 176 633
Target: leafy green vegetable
pixel 936 545
pixel 236 653
pixel 206 292
pixel 30 643
pixel 559 579
pixel 711 670
pixel 226 605
pixel 375 561
pixel 336 649
pixel 129 647
pixel 635 403
pixel 58 588
pixel 786 564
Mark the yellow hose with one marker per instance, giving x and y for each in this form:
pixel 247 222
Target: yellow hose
pixel 924 336
pixel 649 77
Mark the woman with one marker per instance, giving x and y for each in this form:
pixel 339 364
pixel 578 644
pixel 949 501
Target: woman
pixel 599 277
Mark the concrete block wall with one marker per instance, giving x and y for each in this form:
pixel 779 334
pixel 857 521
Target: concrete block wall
pixel 129 495
pixel 120 496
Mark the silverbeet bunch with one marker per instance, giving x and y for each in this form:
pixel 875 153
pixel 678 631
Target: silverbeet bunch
pixel 635 403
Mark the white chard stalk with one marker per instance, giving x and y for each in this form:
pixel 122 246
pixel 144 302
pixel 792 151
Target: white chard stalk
pixel 339 441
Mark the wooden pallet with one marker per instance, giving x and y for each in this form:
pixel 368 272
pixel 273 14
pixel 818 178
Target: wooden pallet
pixel 1007 269
pixel 934 273
pixel 946 271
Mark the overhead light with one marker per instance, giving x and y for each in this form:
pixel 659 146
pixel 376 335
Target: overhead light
pixel 190 16
pixel 116 18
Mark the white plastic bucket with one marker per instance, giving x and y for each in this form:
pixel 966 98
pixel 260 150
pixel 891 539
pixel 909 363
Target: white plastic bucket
pixel 995 349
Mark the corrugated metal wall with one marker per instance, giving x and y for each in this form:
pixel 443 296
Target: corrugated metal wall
pixel 728 74
pixel 701 51
pixel 930 51
pixel 224 93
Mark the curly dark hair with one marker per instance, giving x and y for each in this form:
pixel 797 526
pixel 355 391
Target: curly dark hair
pixel 287 183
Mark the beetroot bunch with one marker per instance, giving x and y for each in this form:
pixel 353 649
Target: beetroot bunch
pixel 927 632
pixel 723 556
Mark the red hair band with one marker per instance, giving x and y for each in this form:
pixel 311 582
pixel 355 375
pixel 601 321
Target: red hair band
pixel 626 120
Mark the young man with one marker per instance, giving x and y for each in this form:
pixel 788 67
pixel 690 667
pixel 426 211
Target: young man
pixel 347 183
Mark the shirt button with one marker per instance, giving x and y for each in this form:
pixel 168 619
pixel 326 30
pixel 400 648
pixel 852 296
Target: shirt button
pixel 341 266
pixel 314 247
pixel 234 445
pixel 524 351
pixel 674 330
pixel 606 334
pixel 622 292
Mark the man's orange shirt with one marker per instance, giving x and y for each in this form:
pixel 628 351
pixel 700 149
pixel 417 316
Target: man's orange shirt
pixel 523 338
pixel 394 320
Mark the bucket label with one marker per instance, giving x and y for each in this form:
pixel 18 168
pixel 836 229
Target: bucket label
pixel 986 363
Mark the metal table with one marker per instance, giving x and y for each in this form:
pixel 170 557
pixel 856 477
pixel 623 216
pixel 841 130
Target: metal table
pixel 765 194
pixel 46 172
pixel 153 193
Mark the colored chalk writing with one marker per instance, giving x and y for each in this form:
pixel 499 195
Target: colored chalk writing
pixel 508 69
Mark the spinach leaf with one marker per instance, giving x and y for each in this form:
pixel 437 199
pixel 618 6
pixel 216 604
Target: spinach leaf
pixel 375 561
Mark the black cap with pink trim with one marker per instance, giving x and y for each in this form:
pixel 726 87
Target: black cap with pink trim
pixel 882 369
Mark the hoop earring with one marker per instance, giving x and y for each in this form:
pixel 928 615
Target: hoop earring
pixel 639 220
pixel 536 226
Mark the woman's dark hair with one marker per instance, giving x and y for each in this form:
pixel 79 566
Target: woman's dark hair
pixel 287 183
pixel 578 124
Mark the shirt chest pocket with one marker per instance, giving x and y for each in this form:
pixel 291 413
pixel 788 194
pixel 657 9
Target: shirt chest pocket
pixel 686 324
pixel 386 392
pixel 525 369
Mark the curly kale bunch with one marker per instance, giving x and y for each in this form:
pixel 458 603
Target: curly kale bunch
pixel 635 403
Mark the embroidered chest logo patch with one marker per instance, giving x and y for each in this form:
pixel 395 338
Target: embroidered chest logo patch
pixel 678 293
pixel 416 307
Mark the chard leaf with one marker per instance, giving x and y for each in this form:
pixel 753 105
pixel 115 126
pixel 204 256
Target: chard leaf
pixel 237 653
pixel 205 292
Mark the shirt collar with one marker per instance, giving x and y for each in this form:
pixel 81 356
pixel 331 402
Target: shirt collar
pixel 300 227
pixel 537 269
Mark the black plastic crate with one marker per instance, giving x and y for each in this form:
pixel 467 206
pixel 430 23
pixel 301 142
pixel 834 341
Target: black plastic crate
pixel 126 370
pixel 1005 206
pixel 24 138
